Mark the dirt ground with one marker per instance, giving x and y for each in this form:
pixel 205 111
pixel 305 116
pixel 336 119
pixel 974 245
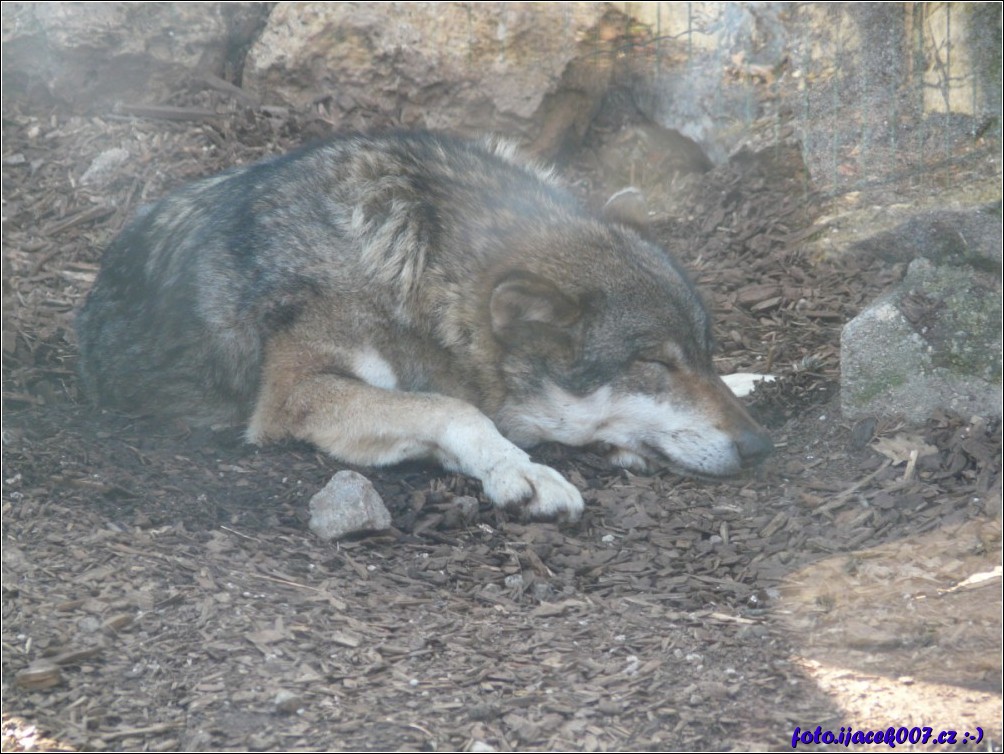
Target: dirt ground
pixel 161 590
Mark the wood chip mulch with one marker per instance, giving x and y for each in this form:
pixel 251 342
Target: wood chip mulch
pixel 161 590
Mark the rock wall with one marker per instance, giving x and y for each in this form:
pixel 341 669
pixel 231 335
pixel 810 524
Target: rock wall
pixel 524 68
pixel 534 70
pixel 853 83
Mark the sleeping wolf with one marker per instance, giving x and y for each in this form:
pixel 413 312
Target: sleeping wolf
pixel 406 296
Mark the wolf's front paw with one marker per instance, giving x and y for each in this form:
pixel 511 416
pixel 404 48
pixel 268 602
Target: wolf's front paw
pixel 542 490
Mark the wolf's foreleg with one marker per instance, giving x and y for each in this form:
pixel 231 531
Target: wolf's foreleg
pixel 371 426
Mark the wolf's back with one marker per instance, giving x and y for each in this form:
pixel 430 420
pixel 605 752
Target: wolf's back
pixel 192 288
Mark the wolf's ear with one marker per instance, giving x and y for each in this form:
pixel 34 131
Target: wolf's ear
pixel 628 207
pixel 523 303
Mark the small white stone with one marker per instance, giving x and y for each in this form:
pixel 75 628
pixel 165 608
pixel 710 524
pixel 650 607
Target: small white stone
pixel 347 504
pixel 287 701
pixel 743 383
pixel 468 507
pixel 515 581
pixel 103 167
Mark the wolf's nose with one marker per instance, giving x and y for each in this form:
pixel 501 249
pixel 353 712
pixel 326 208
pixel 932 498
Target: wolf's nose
pixel 753 447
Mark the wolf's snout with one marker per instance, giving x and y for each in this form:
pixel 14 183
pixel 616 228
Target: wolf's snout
pixel 753 447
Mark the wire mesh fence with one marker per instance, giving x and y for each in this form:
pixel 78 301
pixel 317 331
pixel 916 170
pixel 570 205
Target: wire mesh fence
pixel 875 92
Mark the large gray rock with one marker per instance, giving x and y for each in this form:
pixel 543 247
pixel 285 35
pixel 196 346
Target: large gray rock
pixel 347 504
pixel 934 342
pixel 534 69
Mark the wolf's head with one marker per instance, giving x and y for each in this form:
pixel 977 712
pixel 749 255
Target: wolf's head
pixel 604 339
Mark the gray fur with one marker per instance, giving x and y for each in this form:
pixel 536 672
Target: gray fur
pixel 457 268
